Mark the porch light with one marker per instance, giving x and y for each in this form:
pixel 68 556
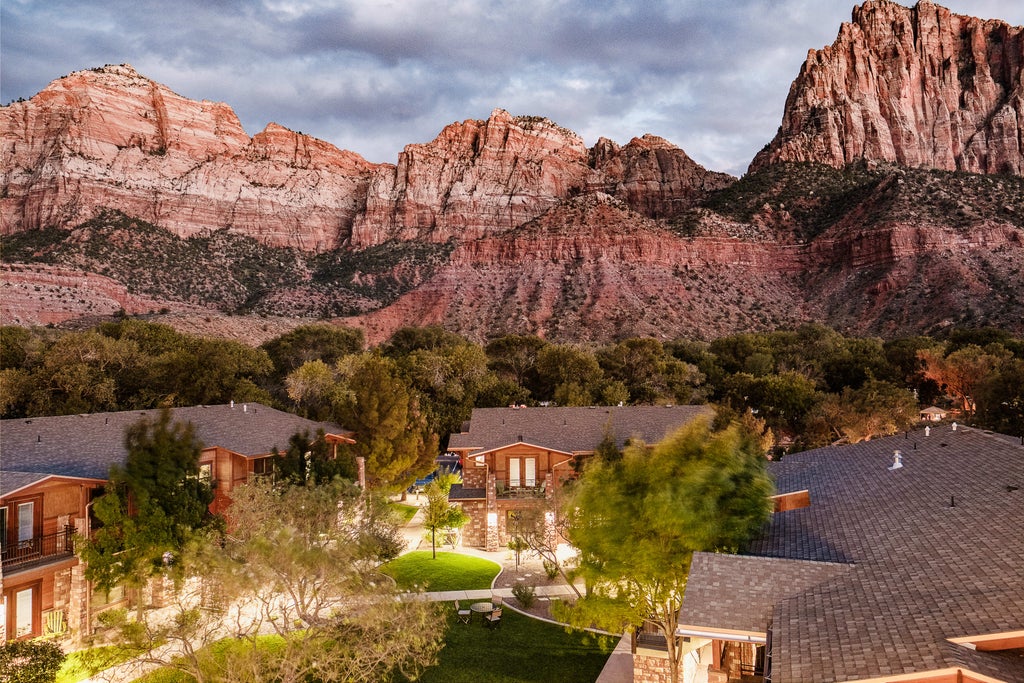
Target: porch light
pixel 492 519
pixel 549 517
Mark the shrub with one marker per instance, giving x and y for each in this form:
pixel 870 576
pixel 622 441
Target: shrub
pixel 526 595
pixel 29 661
pixel 551 569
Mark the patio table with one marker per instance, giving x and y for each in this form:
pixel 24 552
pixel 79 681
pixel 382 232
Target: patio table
pixel 482 607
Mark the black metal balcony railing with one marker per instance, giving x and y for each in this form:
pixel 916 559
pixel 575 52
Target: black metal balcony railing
pixel 520 489
pixel 39 549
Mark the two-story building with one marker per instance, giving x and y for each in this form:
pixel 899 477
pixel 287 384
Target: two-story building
pixel 894 559
pixel 52 468
pixel 516 458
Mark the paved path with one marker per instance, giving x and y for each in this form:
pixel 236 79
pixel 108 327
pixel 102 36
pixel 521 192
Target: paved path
pixel 619 668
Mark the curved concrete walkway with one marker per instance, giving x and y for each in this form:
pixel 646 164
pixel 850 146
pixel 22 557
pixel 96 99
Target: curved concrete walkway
pixel 619 667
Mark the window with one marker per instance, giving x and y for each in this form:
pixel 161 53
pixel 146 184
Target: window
pixel 531 472
pixel 26 521
pixel 522 472
pixel 102 598
pixel 206 473
pixel 3 528
pixel 263 466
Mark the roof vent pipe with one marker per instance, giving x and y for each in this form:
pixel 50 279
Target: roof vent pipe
pixel 897 461
pixel 245 407
pixel 232 404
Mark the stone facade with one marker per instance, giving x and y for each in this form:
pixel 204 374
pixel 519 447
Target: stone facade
pixel 650 667
pixel 474 534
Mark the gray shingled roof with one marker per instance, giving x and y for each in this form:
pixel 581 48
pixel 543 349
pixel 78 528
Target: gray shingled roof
pixel 920 571
pixel 570 430
pixel 753 586
pixel 87 445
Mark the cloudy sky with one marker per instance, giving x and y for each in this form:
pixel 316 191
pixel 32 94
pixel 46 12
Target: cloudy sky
pixel 371 76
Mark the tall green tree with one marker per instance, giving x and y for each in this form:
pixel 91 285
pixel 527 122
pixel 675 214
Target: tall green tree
pixel 637 522
pixel 152 505
pixel 391 431
pixel 327 343
pixel 569 375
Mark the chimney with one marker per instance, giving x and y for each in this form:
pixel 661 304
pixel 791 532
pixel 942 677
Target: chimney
pixel 897 461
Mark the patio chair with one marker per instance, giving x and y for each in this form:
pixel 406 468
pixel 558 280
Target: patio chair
pixel 464 615
pixel 494 618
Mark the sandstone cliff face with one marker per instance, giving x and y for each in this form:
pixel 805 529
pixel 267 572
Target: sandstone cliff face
pixel 475 177
pixel 915 86
pixel 653 176
pixel 110 138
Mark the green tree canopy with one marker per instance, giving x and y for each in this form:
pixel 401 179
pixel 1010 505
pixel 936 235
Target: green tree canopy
pixel 327 343
pixel 637 522
pixel 391 430
pixel 151 505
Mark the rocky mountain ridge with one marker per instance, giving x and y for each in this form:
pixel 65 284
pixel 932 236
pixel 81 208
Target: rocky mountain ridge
pixel 916 86
pixel 159 205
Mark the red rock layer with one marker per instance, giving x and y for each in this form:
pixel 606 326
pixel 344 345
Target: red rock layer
pixel 916 86
pixel 110 138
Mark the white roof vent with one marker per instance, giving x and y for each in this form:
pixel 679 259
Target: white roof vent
pixel 897 461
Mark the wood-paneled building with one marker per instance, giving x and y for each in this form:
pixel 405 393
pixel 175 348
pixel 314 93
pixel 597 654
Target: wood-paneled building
pixel 52 468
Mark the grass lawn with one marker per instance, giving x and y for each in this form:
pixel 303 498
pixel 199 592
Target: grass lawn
pixel 405 512
pixel 520 650
pixel 84 663
pixel 449 572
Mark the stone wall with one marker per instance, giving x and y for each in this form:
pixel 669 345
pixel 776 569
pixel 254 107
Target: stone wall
pixel 650 667
pixel 474 534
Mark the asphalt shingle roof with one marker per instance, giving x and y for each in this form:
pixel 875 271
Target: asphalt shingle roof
pixel 933 550
pixel 87 445
pixel 570 430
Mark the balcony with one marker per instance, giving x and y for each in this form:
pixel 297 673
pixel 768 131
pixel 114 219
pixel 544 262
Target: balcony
pixel 38 550
pixel 521 489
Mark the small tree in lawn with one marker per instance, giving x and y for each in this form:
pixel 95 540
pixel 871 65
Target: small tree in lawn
pixel 152 505
pixel 440 514
pixel 637 523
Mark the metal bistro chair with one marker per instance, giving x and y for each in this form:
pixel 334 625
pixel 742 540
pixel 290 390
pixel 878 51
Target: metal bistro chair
pixel 494 618
pixel 464 615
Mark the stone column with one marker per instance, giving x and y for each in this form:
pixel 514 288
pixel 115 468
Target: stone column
pixel 491 544
pixel 79 596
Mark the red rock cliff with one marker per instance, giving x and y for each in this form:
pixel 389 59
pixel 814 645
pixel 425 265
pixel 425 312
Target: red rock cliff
pixel 916 86
pixel 110 138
